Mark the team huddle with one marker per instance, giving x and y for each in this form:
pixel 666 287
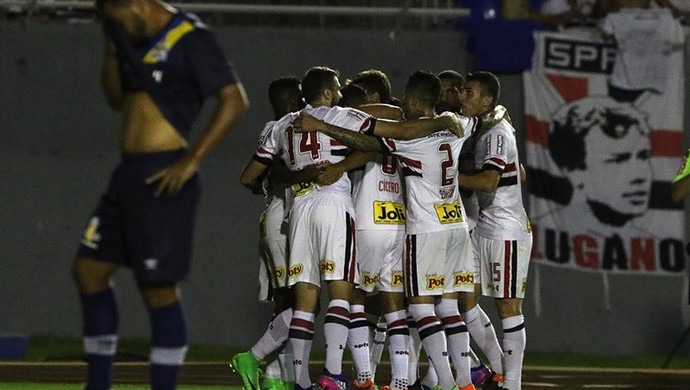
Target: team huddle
pixel 403 210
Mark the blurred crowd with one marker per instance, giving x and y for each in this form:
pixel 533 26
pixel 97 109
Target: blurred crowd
pixel 549 13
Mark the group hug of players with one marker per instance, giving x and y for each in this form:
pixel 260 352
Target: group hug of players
pixel 408 210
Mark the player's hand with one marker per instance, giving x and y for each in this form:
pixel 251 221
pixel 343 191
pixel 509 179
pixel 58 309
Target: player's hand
pixel 310 173
pixel 172 178
pixel 453 124
pixel 330 173
pixel 306 123
pixel 492 118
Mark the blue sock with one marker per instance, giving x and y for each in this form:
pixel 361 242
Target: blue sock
pixel 168 345
pixel 100 321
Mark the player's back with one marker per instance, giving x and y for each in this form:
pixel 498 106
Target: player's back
pixel 430 168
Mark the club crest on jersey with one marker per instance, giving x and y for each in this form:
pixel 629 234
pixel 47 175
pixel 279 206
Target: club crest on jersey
pixel 389 213
pixel 434 282
pixel 449 212
pixel 91 236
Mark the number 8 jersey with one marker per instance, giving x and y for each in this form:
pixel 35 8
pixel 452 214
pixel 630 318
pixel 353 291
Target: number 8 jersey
pixel 430 168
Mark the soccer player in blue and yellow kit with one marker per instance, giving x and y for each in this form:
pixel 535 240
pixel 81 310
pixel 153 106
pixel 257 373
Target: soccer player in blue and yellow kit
pixel 160 65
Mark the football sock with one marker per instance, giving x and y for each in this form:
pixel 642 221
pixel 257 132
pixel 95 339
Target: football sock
pixel 434 341
pixel 301 336
pixel 335 330
pixel 168 345
pixel 458 339
pixel 514 340
pixel 358 342
pixel 100 323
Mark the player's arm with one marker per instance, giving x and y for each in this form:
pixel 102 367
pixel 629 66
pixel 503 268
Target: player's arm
pixel 231 104
pixel 385 111
pixel 252 175
pixel 280 175
pixel 680 187
pixel 485 180
pixel 331 173
pixel 110 77
pixel 306 123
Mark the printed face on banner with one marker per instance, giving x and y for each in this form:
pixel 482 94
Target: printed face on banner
pixel 603 147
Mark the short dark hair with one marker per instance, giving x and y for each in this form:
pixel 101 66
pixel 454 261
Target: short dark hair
pixel 353 96
pixel 424 86
pixel 488 82
pixel 100 4
pixel 374 80
pixel 457 79
pixel 282 90
pixel 316 80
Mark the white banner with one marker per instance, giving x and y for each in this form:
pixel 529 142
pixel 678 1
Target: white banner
pixel 600 161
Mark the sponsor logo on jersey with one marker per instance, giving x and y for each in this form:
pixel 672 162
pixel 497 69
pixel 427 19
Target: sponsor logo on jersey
pixel 328 266
pixel 389 213
pixel 91 236
pixel 449 212
pixel 369 280
pixel 397 279
pixel 299 189
pixel 434 282
pixel 280 272
pixel 295 271
pixel 463 279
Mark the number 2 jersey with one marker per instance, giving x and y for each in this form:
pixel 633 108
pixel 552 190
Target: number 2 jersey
pixel 430 168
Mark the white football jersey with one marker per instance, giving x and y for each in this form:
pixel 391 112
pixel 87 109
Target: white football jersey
pixel 502 215
pixel 430 168
pixel 378 195
pixel 300 150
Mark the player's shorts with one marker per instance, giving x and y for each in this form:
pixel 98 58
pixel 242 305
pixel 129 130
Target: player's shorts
pixel 322 242
pixel 272 255
pixel 438 262
pixel 475 258
pixel 505 264
pixel 379 255
pixel 133 228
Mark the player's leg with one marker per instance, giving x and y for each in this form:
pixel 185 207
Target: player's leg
pixel 96 261
pixel 459 277
pixel 358 340
pixel 423 281
pixel 168 333
pixel 393 304
pixel 509 261
pixel 100 319
pixel 159 236
pixel 301 333
pixel 272 288
pixel 479 325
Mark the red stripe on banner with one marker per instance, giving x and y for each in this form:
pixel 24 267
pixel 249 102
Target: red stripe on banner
pixel 667 143
pixel 569 87
pixel 537 131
